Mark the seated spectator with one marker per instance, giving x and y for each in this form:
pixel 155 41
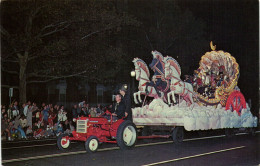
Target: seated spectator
pixel 2 112
pixel 29 132
pixel 66 127
pixel 58 129
pixel 40 132
pixel 5 128
pixel 18 127
pixel 72 128
pixel 62 116
pixel 49 131
pixel 35 129
pixel 99 109
pixel 23 123
pixel 37 116
pixel 84 112
pixel 93 112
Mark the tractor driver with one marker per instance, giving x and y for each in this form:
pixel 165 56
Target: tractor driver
pixel 118 108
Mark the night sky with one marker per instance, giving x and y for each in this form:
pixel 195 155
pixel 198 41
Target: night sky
pixel 234 27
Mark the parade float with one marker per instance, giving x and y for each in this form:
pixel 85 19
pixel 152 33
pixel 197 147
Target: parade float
pixel 210 99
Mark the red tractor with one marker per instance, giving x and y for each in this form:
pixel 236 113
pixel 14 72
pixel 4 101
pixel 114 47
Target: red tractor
pixel 96 130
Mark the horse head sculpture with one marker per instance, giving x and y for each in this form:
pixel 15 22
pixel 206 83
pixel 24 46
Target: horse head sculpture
pixel 173 72
pixel 142 75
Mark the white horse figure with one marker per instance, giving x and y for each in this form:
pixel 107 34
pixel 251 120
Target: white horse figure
pixel 142 75
pixel 173 72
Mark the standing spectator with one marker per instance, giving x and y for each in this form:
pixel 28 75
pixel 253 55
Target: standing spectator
pixel 15 109
pixel 43 105
pixel 9 112
pixel 34 111
pixel 45 116
pixel 29 116
pixel 81 104
pixel 79 109
pixel 25 110
pixel 74 111
pixel 52 116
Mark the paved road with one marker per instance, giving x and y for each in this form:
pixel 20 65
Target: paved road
pixel 211 150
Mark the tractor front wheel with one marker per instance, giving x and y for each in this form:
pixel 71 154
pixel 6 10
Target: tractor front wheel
pixel 91 145
pixel 126 135
pixel 63 142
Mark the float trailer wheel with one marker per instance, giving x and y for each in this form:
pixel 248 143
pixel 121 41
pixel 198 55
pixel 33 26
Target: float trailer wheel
pixel 236 102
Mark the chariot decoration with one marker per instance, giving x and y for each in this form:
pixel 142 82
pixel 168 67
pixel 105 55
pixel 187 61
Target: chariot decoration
pixel 215 81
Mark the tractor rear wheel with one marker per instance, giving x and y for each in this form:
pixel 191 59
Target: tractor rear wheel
pixel 63 142
pixel 177 135
pixel 126 135
pixel 91 145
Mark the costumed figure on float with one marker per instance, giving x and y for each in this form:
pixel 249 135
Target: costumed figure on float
pixel 158 80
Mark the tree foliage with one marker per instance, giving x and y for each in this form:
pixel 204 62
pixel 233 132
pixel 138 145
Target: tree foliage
pixel 47 40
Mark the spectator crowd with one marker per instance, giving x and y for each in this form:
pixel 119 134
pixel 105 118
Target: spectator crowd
pixel 31 121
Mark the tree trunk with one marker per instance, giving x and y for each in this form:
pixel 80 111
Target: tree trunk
pixel 22 77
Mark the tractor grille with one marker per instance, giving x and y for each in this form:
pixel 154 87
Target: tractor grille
pixel 82 126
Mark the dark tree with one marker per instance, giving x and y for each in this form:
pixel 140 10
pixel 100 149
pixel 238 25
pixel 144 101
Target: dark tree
pixel 48 40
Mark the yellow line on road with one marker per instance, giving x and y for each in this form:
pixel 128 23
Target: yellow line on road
pixel 198 155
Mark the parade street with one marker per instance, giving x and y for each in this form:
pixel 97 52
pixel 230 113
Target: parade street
pixel 211 149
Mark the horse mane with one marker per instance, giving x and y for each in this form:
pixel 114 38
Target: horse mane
pixel 173 63
pixel 143 65
pixel 160 58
